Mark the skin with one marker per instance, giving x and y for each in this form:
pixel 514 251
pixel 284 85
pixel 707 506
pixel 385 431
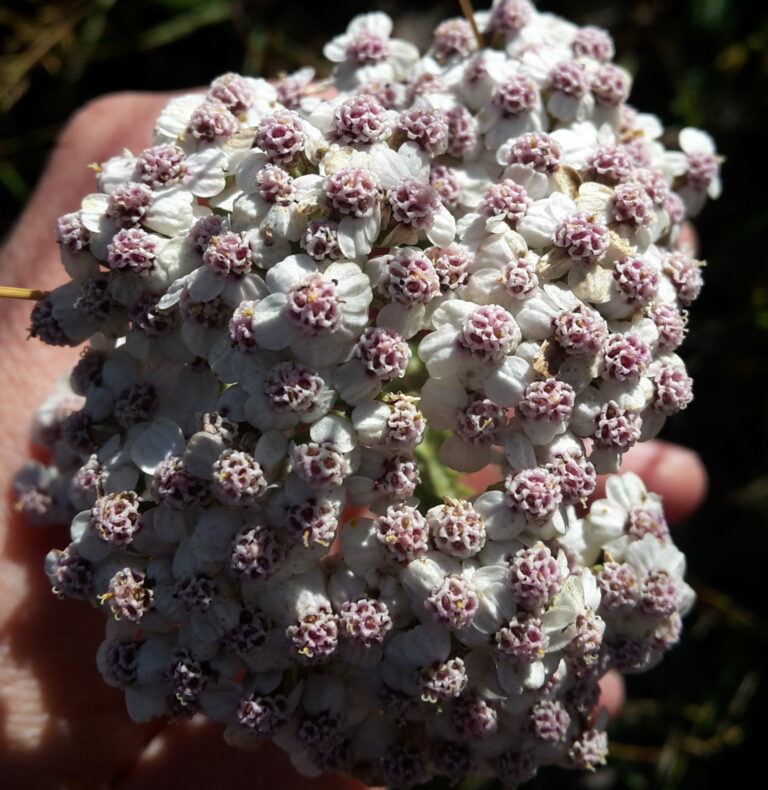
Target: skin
pixel 60 725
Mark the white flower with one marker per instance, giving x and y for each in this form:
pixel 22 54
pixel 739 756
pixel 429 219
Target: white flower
pixel 367 53
pixel 515 107
pixel 628 513
pixel 702 169
pixel 579 141
pixel 415 204
pixel 481 361
pixel 285 395
pixel 329 458
pixel 203 286
pixel 395 423
pixel 469 599
pixel 319 315
pixel 274 200
pixel 472 79
pixel 538 225
pixel 410 282
pixel 579 596
pixel 410 651
pixel 290 601
pixel 475 424
pixel 650 556
pixel 170 211
pixel 504 523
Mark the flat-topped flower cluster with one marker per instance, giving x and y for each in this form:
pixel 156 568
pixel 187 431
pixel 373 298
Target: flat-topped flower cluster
pixel 296 305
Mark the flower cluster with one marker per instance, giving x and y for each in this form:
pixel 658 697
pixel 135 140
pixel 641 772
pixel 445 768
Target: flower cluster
pixel 304 314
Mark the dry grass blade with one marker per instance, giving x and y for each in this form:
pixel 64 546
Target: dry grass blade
pixel 40 38
pixel 468 11
pixel 8 292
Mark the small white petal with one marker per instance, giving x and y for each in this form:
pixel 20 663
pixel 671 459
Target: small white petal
pixel 158 440
pixel 443 229
pixel 695 141
pixel 270 327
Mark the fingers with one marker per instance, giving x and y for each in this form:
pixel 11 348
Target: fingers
pixel 674 472
pixel 612 693
pixel 56 709
pixel 479 481
pixel 193 756
pixel 55 706
pixel 688 240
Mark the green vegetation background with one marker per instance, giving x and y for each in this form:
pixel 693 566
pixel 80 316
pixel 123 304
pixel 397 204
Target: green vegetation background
pixel 695 721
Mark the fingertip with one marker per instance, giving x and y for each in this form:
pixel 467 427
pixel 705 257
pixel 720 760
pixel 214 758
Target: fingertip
pixel 192 754
pixel 675 472
pixel 688 240
pixel 612 693
pixel 482 479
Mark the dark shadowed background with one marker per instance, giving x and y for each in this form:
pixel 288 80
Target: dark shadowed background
pixel 696 720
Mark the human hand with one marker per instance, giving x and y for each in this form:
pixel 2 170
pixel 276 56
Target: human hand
pixel 62 726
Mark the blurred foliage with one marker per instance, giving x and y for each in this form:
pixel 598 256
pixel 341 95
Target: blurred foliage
pixel 695 721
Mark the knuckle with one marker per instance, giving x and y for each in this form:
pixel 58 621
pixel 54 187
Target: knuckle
pixel 107 124
pixel 106 109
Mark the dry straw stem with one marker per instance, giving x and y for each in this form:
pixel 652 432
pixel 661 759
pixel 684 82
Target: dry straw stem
pixel 466 8
pixel 7 292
